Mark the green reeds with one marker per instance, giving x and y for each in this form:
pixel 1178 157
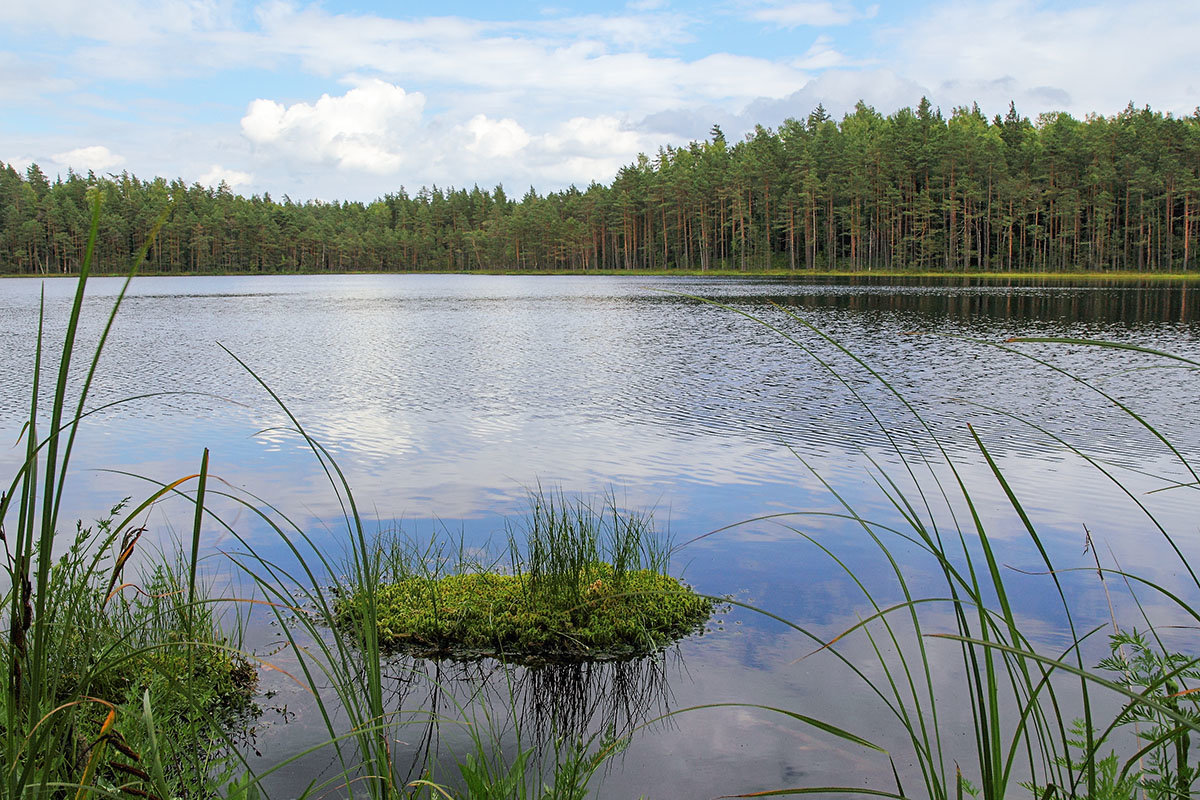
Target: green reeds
pixel 562 539
pixel 1035 725
pixel 90 655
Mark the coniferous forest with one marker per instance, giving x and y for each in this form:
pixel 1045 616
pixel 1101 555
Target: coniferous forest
pixel 915 190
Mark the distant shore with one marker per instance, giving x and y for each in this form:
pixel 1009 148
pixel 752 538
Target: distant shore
pixel 799 275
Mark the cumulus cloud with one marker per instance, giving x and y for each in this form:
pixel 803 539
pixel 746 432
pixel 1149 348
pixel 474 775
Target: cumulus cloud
pixel 600 136
pixel 96 157
pixel 379 128
pixel 590 148
pixel 230 177
pixel 502 138
pixel 363 129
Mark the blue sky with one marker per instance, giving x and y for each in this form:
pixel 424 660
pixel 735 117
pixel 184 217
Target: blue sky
pixel 350 100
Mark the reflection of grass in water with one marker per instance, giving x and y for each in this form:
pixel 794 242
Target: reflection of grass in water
pixel 544 715
pixel 548 700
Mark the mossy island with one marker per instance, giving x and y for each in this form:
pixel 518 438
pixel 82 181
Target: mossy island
pixel 578 584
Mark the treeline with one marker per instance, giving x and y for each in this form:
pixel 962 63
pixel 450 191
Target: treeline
pixel 913 190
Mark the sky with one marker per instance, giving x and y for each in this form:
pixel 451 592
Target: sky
pixel 352 100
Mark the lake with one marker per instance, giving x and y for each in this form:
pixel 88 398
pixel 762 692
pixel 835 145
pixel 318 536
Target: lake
pixel 446 399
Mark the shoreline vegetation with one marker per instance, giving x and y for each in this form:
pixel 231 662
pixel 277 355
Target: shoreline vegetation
pixel 913 190
pixel 1045 722
pixel 1114 276
pixel 117 682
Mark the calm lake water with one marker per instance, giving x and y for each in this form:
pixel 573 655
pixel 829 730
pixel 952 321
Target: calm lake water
pixel 445 399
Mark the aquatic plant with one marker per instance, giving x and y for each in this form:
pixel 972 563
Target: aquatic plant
pixel 473 615
pixel 580 584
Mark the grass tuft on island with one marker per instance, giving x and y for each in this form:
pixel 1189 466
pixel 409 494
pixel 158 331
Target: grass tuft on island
pixel 491 614
pixel 580 584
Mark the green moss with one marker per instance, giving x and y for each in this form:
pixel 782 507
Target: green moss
pixel 604 615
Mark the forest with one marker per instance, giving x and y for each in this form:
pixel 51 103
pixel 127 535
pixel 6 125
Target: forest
pixel 914 190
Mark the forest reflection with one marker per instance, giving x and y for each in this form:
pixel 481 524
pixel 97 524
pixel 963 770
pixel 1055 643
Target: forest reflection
pixel 964 298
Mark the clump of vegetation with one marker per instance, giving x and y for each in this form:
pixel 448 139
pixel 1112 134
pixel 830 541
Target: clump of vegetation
pixel 120 652
pixel 99 663
pixel 1165 768
pixel 581 585
pixel 487 613
pixel 490 776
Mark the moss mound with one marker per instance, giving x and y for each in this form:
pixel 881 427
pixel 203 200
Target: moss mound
pixel 603 615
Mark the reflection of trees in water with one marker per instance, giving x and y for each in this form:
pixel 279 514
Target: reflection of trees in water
pixel 537 705
pixel 1096 302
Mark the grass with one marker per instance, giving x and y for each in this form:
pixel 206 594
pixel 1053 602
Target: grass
pixel 96 658
pixel 488 614
pixel 579 584
pixel 1038 728
pixel 111 681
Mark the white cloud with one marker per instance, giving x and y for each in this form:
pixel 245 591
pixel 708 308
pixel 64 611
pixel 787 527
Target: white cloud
pixel 19 163
pixel 24 79
pixel 577 151
pixel 586 149
pixel 1079 58
pixel 838 90
pixel 638 31
pixel 96 157
pixel 379 128
pixel 598 136
pixel 496 138
pixel 577 63
pixel 119 21
pixel 814 13
pixel 364 129
pixel 231 177
pixel 821 55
